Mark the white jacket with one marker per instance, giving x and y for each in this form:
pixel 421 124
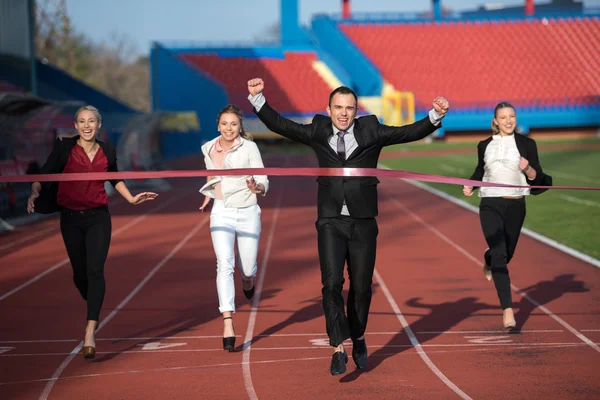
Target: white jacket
pixel 234 188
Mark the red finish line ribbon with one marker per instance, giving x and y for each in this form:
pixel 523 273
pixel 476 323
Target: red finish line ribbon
pixel 345 172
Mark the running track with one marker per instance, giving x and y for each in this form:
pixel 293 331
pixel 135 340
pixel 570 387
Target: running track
pixel 434 330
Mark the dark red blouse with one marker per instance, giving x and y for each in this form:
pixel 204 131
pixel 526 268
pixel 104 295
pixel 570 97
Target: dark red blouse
pixel 82 195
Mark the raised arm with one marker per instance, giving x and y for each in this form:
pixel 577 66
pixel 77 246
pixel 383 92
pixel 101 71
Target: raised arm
pixel 271 118
pixel 390 135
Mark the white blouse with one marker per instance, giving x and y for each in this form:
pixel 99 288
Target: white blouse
pixel 502 166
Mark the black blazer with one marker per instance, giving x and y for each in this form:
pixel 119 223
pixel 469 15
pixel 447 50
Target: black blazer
pixel 371 136
pixel 46 203
pixel 528 149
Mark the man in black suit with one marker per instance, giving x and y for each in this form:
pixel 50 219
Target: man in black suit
pixel 347 206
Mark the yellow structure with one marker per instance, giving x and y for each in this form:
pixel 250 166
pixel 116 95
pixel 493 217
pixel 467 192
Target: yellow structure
pixel 397 108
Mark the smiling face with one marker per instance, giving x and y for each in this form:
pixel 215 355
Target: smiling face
pixel 342 110
pixel 506 120
pixel 87 123
pixel 229 126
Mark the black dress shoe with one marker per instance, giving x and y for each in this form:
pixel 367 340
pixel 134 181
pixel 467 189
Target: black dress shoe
pixel 338 363
pixel 359 353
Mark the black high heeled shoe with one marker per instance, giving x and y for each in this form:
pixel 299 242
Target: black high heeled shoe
pixel 228 342
pixel 250 292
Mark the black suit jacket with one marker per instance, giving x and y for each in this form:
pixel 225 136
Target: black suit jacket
pixel 528 149
pixel 360 193
pixel 46 203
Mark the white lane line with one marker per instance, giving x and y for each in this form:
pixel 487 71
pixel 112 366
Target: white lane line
pixel 252 318
pixel 313 335
pixel 315 348
pixel 66 260
pixel 5 225
pixel 106 320
pixel 525 231
pixel 580 178
pixel 415 343
pixel 514 288
pixel 27 238
pixel 577 200
pixel 236 365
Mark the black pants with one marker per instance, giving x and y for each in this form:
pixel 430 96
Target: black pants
pixel 340 240
pixel 87 238
pixel 501 221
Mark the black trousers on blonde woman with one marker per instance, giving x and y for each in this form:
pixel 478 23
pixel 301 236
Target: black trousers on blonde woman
pixel 501 221
pixel 87 235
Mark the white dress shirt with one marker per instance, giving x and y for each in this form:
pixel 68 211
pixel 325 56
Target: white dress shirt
pixel 349 140
pixel 502 166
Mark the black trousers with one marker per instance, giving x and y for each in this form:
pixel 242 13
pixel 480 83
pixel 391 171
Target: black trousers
pixel 87 237
pixel 501 221
pixel 345 239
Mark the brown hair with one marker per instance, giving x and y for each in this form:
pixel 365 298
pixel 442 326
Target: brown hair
pixel 232 109
pixel 504 104
pixel 89 108
pixel 343 90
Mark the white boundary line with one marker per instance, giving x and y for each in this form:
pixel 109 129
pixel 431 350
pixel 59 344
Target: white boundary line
pixel 313 348
pixel 66 260
pixel 415 342
pixel 478 263
pixel 252 318
pixel 213 366
pixel 106 320
pixel 550 242
pixel 316 335
pixel 577 200
pixel 28 237
pixel 5 225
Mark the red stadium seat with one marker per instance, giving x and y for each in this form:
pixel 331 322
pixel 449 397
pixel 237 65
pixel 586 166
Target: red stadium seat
pixel 473 62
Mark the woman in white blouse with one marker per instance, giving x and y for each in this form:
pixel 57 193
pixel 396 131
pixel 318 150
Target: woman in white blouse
pixel 512 159
pixel 235 215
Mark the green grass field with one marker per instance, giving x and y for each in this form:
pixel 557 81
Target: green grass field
pixel 568 216
pixel 420 146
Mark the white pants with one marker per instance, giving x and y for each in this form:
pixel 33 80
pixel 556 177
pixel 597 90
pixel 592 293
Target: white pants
pixel 230 226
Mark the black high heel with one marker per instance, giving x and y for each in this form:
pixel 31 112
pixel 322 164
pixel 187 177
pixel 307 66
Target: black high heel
pixel 228 342
pixel 250 292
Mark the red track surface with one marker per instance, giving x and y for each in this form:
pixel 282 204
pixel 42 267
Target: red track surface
pixel 161 336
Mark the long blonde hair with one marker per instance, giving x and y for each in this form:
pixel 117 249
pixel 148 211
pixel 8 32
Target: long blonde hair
pixel 232 109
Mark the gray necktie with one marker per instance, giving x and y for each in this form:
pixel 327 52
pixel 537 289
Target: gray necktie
pixel 341 146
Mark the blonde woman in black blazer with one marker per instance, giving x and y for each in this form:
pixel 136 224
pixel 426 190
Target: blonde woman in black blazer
pixel 508 158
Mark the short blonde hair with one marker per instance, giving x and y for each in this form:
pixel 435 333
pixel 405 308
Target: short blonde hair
pixel 89 108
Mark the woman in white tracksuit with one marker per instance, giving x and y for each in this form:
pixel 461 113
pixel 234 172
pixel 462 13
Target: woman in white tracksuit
pixel 235 216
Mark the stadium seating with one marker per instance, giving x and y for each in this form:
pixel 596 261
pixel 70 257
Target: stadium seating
pixel 539 62
pixel 291 83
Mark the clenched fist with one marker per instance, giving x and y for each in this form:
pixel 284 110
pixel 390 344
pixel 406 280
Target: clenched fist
pixel 441 105
pixel 467 190
pixel 255 86
pixel 523 164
